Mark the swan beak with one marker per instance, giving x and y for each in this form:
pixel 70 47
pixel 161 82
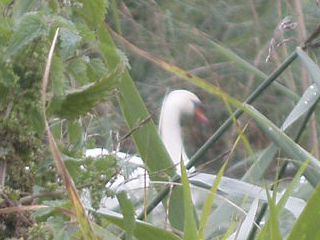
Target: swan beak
pixel 199 114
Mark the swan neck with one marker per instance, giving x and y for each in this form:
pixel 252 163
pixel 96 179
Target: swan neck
pixel 170 131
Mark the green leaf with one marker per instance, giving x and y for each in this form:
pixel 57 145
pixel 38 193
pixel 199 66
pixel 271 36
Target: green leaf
pixel 78 68
pixel 249 67
pixel 128 212
pixel 311 65
pixel 69 41
pixel 96 69
pixel 92 11
pixel 146 138
pixel 306 102
pixel 30 27
pixel 307 226
pixel 75 132
pixel 58 80
pixel 273 232
pixel 22 7
pixel 142 231
pixel 190 225
pixel 5 2
pixel 104 233
pixel 176 208
pixel 292 149
pixel 82 100
pixel 206 210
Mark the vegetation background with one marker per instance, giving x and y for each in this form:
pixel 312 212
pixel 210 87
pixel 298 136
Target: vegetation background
pixel 230 46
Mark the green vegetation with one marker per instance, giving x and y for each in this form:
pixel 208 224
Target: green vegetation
pixel 80 74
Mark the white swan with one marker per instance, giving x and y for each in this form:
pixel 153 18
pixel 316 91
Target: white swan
pixel 176 104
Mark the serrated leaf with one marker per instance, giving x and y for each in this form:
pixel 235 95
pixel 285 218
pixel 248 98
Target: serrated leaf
pixel 82 100
pixel 57 77
pixel 69 41
pixel 75 132
pixel 78 68
pixel 30 26
pixel 22 7
pixel 96 69
pixel 93 12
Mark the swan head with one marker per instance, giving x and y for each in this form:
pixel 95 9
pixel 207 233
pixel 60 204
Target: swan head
pixel 183 102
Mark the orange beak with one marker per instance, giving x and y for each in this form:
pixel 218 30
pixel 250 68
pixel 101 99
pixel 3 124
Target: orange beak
pixel 199 114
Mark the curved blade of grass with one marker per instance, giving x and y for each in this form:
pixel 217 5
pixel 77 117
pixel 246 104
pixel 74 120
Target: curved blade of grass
pixel 291 148
pixel 213 190
pixel 207 206
pixel 271 229
pixel 244 231
pixel 306 102
pixel 103 233
pixel 250 68
pixel 281 203
pixel 307 226
pixel 85 225
pixel 144 132
pixel 190 225
pixel 142 231
pixel 313 68
pixel 238 189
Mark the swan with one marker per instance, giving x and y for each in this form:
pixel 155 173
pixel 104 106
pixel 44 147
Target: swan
pixel 176 104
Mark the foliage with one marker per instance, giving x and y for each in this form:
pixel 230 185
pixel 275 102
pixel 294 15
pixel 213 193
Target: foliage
pixel 67 90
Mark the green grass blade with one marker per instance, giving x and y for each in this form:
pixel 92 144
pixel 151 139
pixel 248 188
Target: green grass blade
pixel 146 136
pixel 271 229
pixel 190 225
pixel 307 226
pixel 142 231
pixel 291 148
pixel 313 68
pixel 144 132
pixel 128 213
pixel 206 210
